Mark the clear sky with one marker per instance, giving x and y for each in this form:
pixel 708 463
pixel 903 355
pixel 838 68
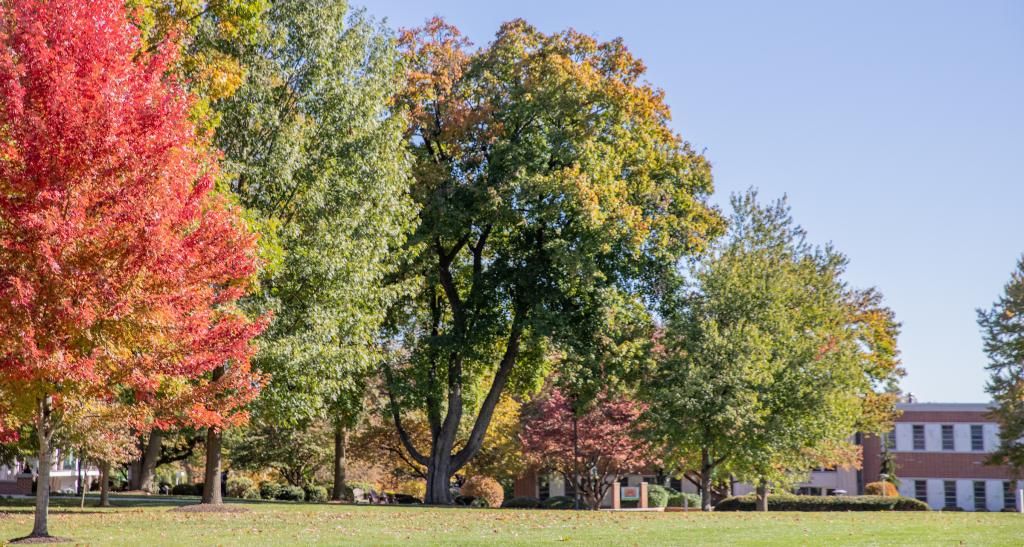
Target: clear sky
pixel 895 128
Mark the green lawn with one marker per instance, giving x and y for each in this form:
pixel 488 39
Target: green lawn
pixel 151 524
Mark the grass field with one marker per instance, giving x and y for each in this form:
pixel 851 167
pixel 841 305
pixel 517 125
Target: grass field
pixel 152 523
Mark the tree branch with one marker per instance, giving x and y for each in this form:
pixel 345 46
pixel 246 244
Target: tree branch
pixel 397 416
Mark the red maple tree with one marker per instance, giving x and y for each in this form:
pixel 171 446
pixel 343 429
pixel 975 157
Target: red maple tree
pixel 591 449
pixel 120 269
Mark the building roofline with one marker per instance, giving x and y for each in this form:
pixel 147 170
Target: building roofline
pixel 945 407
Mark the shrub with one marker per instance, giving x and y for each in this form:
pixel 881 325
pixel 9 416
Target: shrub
pixel 485 488
pixel 657 495
pixel 684 499
pixel 951 509
pixel 881 488
pixel 269 490
pixel 291 493
pixel 523 502
pixel 910 504
pixel 464 501
pixel 238 485
pixel 315 494
pixel 187 489
pixel 405 499
pixel 559 502
pixel 824 503
pixel 251 493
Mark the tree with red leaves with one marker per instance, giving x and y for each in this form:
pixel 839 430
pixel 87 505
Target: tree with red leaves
pixel 120 269
pixel 607 446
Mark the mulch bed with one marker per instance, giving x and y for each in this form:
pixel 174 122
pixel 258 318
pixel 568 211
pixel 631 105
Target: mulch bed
pixel 48 539
pixel 210 508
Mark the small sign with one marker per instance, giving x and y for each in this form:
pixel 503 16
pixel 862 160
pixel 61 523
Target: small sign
pixel 630 493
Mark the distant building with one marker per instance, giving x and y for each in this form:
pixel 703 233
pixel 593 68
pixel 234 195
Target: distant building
pixel 18 477
pixel 940 450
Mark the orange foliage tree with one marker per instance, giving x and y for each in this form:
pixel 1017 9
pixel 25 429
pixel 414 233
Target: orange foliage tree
pixel 120 270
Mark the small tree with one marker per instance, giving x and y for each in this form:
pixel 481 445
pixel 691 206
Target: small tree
pixel 608 445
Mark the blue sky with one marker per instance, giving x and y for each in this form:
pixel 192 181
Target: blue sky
pixel 895 128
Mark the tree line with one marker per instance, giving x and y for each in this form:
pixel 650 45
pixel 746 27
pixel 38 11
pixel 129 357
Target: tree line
pixel 249 221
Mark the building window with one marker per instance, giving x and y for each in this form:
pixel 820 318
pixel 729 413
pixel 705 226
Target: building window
pixel 947 437
pixel 918 437
pixel 979 495
pixel 890 440
pixel 921 490
pixel 977 438
pixel 1009 496
pixel 949 492
pixel 543 487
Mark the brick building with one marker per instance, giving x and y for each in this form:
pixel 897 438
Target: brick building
pixel 940 450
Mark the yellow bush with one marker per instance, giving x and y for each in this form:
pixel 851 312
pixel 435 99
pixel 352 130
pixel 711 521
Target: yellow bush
pixel 484 488
pixel 881 488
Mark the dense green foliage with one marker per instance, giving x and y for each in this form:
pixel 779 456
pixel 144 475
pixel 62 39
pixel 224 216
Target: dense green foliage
pixel 1002 329
pixel 658 495
pixel 766 368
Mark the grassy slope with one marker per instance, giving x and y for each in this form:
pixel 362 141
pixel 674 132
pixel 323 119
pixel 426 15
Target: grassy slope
pixel 152 524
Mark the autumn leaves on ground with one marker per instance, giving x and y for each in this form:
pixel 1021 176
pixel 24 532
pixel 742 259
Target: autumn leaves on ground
pixel 300 524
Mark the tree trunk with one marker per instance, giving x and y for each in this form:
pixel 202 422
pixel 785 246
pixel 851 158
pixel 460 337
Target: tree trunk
pixel 147 466
pixel 211 486
pixel 105 484
pixel 762 496
pixel 439 475
pixel 340 463
pixel 705 480
pixel 43 433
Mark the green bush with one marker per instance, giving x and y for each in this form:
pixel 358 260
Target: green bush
pixel 523 502
pixel 251 493
pixel 559 502
pixel 823 503
pixel 269 490
pixel 187 489
pixel 684 499
pixel 315 494
pixel 238 485
pixel 658 495
pixel 291 493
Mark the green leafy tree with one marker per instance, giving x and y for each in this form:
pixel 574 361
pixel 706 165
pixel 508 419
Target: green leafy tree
pixel 322 166
pixel 550 187
pixel 1002 328
pixel 769 365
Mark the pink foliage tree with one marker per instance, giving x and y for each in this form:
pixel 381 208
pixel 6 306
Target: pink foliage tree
pixel 606 445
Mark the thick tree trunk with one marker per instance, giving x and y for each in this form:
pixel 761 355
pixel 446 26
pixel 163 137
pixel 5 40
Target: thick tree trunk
pixel 211 486
pixel 340 462
pixel 762 495
pixel 43 433
pixel 439 477
pixel 705 480
pixel 146 468
pixel 105 484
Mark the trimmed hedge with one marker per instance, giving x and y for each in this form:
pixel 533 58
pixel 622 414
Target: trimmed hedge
pixel 658 495
pixel 486 489
pixel 559 502
pixel 823 503
pixel 522 502
pixel 187 489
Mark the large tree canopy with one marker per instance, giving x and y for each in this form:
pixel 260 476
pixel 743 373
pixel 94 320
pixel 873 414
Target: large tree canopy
pixel 771 362
pixel 321 164
pixel 550 186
